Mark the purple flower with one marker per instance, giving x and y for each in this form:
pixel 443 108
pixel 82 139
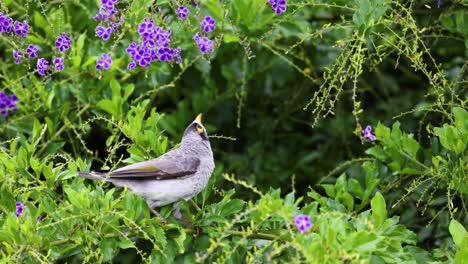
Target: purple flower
pixel 59 64
pixel 279 6
pixel 116 25
pixel 105 12
pixel 6 23
pixel 302 223
pixel 146 28
pixel 182 12
pixel 8 103
pixel 177 55
pixel 31 50
pixel 141 55
pixel 132 49
pixel 367 133
pixel 19 208
pixel 63 42
pixel 161 36
pixel 42 66
pixel 208 24
pixel 131 65
pixel 439 3
pixel 103 32
pixel 104 63
pixel 108 3
pixel 39 218
pixel 204 44
pixel 144 56
pixel 165 54
pixel 21 28
pixel 17 56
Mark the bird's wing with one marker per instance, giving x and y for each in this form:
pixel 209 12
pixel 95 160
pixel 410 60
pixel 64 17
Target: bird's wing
pixel 168 166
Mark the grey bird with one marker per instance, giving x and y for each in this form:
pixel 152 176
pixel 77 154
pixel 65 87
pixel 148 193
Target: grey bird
pixel 177 175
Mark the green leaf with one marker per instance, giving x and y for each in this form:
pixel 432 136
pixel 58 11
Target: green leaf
pixel 462 255
pixel 108 106
pixel 379 209
pixel 451 138
pixel 457 231
pixel 125 243
pixel 232 207
pixel 329 189
pixel 73 197
pixel 108 248
pixel 377 152
pixel 461 118
pixel 41 22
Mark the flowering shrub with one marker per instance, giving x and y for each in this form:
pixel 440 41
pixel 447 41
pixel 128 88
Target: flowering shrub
pixel 339 130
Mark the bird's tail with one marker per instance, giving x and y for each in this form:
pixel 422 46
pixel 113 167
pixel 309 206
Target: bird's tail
pixel 93 175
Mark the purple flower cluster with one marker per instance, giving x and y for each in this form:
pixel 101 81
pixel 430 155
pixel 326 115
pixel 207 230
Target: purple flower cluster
pixel 21 28
pixel 208 24
pixel 31 50
pixel 108 14
pixel 302 223
pixel 17 56
pixel 154 47
pixel 104 63
pixel 6 23
pixel 59 64
pixel 182 12
pixel 19 208
pixel 205 45
pixel 8 103
pixel 367 133
pixel 63 42
pixel 279 6
pixel 42 66
pixel 103 32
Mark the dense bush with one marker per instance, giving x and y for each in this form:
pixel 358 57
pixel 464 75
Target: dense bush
pixel 339 129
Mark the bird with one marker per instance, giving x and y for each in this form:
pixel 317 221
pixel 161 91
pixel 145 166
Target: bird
pixel 177 175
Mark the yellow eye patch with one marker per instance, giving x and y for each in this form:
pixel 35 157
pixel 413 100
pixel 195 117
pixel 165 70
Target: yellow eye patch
pixel 200 129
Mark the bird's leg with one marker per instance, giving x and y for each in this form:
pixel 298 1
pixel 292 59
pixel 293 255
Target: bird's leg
pixel 178 215
pixel 164 220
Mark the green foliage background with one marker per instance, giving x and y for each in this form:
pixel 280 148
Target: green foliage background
pixel 285 99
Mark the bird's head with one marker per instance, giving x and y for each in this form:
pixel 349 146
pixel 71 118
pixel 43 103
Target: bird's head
pixel 195 132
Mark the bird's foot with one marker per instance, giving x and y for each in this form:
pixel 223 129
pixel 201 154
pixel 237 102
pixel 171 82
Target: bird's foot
pixel 164 220
pixel 198 231
pixel 182 219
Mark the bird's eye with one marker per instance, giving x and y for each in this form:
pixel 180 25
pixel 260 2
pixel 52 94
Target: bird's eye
pixel 200 129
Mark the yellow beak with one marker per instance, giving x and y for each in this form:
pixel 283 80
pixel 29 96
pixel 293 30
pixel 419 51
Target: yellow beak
pixel 199 118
